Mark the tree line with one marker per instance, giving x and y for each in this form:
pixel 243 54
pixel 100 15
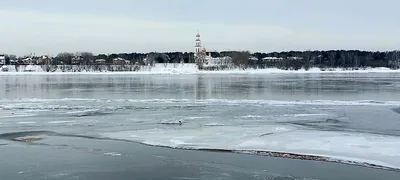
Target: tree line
pixel 245 59
pixel 308 59
pixel 336 58
pixel 88 58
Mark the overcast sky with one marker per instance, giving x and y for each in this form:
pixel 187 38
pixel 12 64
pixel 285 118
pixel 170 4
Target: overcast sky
pixel 105 26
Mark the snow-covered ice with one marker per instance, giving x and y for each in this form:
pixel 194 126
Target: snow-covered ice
pixel 364 148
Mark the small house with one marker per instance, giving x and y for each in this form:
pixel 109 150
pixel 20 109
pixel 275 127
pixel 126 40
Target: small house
pixel 2 59
pixel 100 61
pixel 119 61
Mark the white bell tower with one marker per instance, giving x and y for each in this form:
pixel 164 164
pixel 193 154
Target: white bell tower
pixel 198 45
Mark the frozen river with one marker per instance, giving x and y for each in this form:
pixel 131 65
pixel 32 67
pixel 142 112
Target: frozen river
pixel 348 118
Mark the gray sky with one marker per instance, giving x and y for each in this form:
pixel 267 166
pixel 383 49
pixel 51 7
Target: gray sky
pixel 100 26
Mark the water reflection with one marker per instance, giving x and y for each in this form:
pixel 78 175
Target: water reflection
pixel 271 86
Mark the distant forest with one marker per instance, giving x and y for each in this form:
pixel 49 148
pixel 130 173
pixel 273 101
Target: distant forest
pixel 336 58
pixel 303 59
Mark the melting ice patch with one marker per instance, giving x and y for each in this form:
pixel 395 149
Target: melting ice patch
pixel 304 115
pixel 26 122
pixel 363 148
pixel 112 154
pixel 214 124
pixel 171 122
pixel 193 118
pixel 60 122
pixel 251 117
pixel 177 121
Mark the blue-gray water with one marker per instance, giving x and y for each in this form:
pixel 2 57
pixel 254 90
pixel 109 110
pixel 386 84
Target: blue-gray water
pixel 74 113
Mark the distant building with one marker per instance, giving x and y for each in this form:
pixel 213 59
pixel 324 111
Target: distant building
pixel 13 62
pixel 201 57
pixel 25 61
pixel 217 61
pixel 2 59
pixel 45 60
pixel 295 58
pixel 120 61
pixel 100 61
pixel 3 66
pixel 76 60
pixel 252 58
pixel 272 59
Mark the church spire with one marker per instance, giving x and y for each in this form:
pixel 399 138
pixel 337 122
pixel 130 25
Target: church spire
pixel 198 44
pixel 198 34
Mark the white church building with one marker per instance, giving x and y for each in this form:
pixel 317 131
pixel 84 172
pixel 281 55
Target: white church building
pixel 2 59
pixel 205 60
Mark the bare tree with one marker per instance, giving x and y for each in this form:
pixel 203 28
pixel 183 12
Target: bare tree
pixel 65 57
pixel 397 57
pixel 6 60
pixel 357 61
pixel 164 58
pixel 307 59
pixel 241 58
pixel 87 57
pixel 199 60
pixel 332 59
pixel 150 59
pixel 12 57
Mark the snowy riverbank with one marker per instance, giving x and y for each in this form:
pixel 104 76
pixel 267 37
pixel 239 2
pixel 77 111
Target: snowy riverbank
pixel 168 69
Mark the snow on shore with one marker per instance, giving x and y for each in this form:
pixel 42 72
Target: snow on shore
pixel 170 69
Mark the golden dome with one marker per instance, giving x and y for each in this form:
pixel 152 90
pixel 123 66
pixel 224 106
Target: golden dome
pixel 204 50
pixel 198 35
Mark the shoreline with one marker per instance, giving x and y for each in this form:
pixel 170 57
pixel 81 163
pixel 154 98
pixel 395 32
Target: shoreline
pixel 177 69
pixel 221 72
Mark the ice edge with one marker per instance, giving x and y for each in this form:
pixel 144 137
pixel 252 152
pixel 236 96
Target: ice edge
pixel 286 155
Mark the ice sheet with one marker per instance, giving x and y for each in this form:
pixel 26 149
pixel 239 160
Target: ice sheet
pixel 362 148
